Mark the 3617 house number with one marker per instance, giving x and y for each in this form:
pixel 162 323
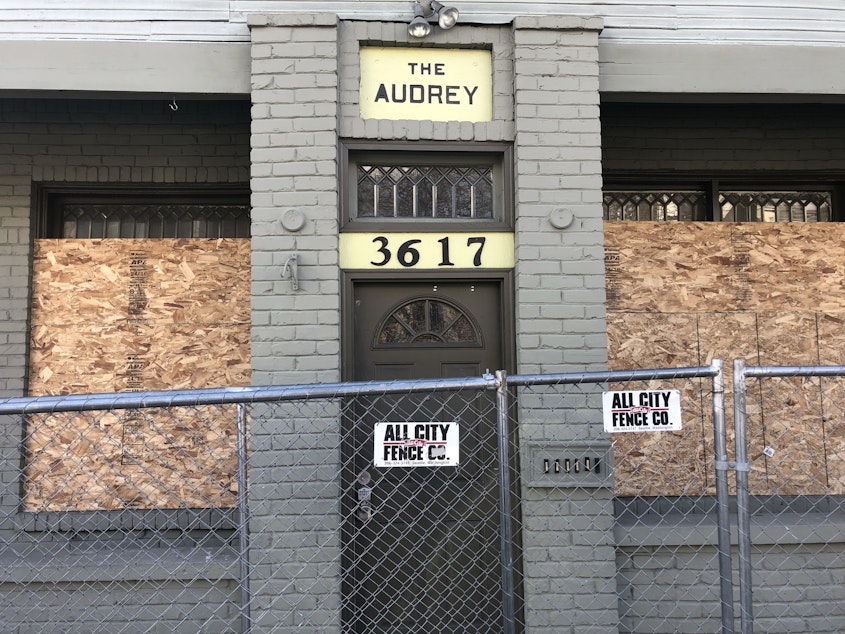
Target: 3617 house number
pixel 407 254
pixel 408 251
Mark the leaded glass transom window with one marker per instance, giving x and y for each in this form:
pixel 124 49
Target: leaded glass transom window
pixel 99 220
pixel 654 205
pixel 755 206
pixel 425 191
pixel 426 322
pixel 734 205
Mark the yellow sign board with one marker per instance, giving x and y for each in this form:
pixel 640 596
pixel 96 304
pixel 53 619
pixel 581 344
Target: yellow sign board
pixel 426 84
pixel 439 251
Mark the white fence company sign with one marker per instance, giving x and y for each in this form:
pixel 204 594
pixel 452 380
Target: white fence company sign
pixel 416 444
pixel 642 410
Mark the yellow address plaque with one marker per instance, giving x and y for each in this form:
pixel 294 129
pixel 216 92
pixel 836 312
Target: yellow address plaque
pixel 440 251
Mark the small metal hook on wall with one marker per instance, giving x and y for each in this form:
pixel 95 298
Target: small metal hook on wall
pixel 173 105
pixel 289 271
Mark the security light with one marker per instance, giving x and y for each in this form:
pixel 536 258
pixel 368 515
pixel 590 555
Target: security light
pixel 419 25
pixel 447 17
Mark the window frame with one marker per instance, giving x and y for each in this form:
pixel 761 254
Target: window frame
pixel 713 185
pixel 48 198
pixel 352 152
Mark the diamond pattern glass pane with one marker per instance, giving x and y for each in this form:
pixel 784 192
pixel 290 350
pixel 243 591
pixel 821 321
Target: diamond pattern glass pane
pixel 655 205
pixel 425 191
pixel 755 206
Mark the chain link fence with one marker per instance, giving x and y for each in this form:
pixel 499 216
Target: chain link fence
pixel 479 505
pixel 790 454
pixel 662 524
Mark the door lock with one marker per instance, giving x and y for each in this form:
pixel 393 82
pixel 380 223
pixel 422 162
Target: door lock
pixel 364 494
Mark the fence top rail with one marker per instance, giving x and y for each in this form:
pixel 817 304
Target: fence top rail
pixel 692 372
pixel 257 394
pixel 231 395
pixel 794 370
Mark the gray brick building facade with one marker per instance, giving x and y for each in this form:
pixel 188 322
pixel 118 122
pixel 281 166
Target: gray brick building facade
pixel 270 106
pixel 304 103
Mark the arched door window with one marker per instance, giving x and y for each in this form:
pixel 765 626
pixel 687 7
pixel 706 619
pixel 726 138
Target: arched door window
pixel 427 321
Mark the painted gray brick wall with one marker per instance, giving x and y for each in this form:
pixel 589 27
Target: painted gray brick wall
pixel 802 581
pixel 797 587
pixel 546 102
pixel 295 331
pixel 14 278
pixel 568 563
pixel 295 335
pixel 560 272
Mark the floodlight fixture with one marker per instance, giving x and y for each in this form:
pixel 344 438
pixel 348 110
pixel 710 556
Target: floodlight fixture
pixel 447 17
pixel 420 26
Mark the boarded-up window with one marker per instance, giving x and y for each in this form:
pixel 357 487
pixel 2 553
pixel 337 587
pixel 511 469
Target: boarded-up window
pixel 134 292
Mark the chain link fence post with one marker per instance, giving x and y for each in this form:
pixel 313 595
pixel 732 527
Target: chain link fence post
pixel 722 499
pixel 743 508
pixel 243 520
pixel 505 511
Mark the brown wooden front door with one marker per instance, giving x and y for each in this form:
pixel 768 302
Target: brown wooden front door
pixel 427 559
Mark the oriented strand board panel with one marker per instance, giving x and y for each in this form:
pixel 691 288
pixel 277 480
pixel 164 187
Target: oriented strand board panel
pixel 832 352
pixel 133 315
pixel 137 356
pixel 180 457
pixel 158 281
pixel 659 463
pixel 794 266
pixel 791 407
pixel 667 267
pixel 728 336
pixel 705 267
pixel 769 293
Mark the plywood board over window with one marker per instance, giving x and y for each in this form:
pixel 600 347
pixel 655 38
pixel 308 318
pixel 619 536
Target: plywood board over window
pixel 124 314
pixel 769 293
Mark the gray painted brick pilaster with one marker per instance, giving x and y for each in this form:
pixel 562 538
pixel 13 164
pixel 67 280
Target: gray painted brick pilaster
pixel 14 273
pixel 568 564
pixel 295 334
pixel 14 312
pixel 295 327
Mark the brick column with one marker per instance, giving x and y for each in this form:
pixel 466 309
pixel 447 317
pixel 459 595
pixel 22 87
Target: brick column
pixel 14 312
pixel 14 290
pixel 295 332
pixel 568 550
pixel 294 495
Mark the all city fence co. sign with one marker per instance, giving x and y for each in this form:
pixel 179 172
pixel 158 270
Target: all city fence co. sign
pixel 426 84
pixel 402 444
pixel 642 410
